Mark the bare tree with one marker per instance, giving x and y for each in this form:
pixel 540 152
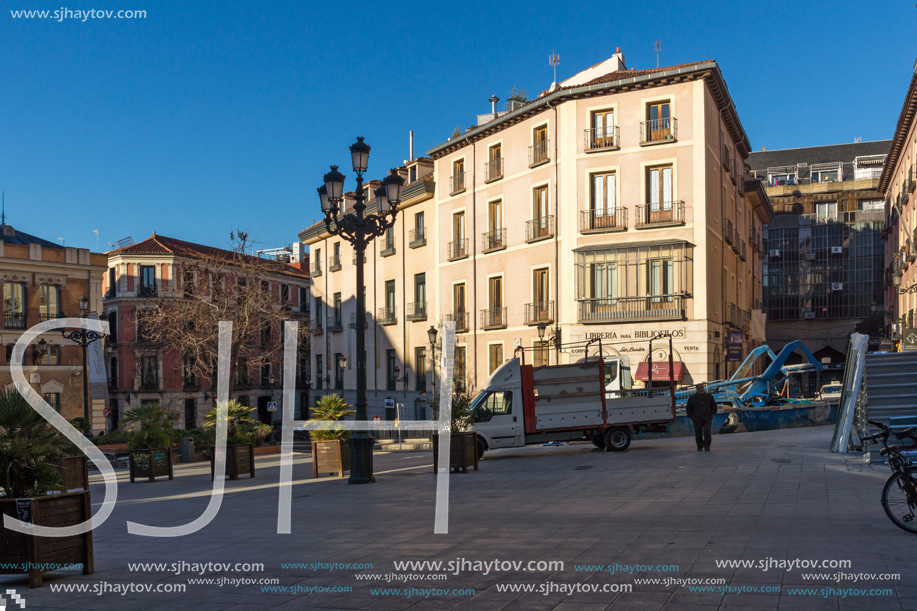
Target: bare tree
pixel 214 285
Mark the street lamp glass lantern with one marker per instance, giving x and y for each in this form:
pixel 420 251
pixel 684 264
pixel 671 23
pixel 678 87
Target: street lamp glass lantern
pixel 334 185
pixel 393 183
pixel 381 200
pixel 84 304
pixel 359 154
pixel 323 196
pixel 896 278
pixel 541 329
pixel 431 334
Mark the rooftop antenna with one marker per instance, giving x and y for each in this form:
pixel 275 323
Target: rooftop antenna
pixel 553 60
pixel 112 245
pixel 658 48
pixel 62 241
pixel 3 217
pixel 858 139
pixel 96 231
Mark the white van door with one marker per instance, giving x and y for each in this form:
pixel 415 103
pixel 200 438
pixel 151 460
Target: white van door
pixel 498 415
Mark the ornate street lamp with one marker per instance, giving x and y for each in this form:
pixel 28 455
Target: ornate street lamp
pixel 84 337
pixel 359 229
pixel 431 335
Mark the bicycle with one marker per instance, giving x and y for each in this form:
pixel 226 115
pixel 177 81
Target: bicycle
pixel 899 497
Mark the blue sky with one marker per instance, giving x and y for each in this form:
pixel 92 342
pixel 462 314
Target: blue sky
pixel 208 116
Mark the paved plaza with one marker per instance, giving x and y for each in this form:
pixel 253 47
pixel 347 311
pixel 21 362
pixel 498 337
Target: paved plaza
pixel 673 512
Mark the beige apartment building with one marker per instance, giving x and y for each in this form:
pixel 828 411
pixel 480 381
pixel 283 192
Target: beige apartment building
pixel 616 205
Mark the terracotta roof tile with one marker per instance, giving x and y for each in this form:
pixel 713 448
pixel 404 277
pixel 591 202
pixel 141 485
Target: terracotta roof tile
pixel 618 75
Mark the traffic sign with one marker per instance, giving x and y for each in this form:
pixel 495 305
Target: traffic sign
pixel 106 412
pixel 272 406
pixel 377 420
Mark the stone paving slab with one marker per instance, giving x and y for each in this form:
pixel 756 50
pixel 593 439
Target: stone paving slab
pixel 774 496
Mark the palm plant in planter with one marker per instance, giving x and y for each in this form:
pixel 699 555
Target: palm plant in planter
pixel 31 491
pixel 463 444
pixel 330 453
pixel 150 442
pixel 242 433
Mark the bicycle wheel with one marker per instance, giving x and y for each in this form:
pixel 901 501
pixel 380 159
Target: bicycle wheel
pixel 899 499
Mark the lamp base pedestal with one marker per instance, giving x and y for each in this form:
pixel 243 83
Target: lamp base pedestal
pixel 361 459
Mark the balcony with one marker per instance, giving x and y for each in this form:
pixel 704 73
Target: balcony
pixel 355 259
pixel 493 318
pixel 727 234
pixel 387 316
pixel 737 317
pixel 334 264
pixel 315 271
pixel 539 229
pixel 603 221
pixel 147 290
pixel 629 309
pixel 388 247
pixel 457 250
pixel 666 214
pixel 14 320
pixel 417 237
pixel 457 183
pixel 658 131
pixel 742 251
pixel 461 321
pixel 538 153
pixel 417 311
pixel 353 321
pixel 46 316
pixel 601 139
pixel 493 170
pixel 493 240
pixel 539 312
pixel 335 324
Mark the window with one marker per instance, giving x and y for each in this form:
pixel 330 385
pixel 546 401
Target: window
pixel 420 409
pixel 495 215
pixel 112 282
pixel 14 305
pixel 284 294
pixel 48 302
pixel 265 378
pixel 458 227
pixel 149 372
pixel 189 377
pixel 52 399
pixel 144 327
pixel 390 364
pixel 495 292
pixel 494 162
pixel 190 414
pixel 418 227
pixel 319 372
pixel 458 176
pixel 413 174
pixel 498 403
pixel 602 281
pixel 304 300
pixel 188 284
pixel 826 212
pixel 148 280
pixel 335 263
pixel 494 357
pixel 339 371
pixel 242 369
pixel 603 195
pixel 458 298
pixel 52 355
pixel 658 125
pixel 458 370
pixel 661 280
pixel 539 147
pixel 603 126
pixel 338 316
pixel 420 295
pixel 317 264
pixel 420 369
pixel 319 311
pixel 541 295
pixel 659 188
pixel 113 373
pixel 390 300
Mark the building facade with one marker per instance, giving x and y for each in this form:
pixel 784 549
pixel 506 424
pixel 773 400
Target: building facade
pixel 41 281
pixel 157 270
pixel 825 269
pixel 613 206
pixel 898 185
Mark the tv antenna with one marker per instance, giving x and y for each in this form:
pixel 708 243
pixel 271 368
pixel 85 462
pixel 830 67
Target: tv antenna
pixel 62 241
pixel 96 231
pixel 553 61
pixel 658 48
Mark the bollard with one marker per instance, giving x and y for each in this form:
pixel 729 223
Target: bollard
pixel 187 449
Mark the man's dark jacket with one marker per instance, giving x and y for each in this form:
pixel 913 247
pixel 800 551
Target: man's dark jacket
pixel 701 406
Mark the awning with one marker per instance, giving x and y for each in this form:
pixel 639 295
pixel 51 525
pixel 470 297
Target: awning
pixel 660 371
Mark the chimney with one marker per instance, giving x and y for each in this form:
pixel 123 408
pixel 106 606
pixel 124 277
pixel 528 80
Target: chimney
pixel 617 60
pixel 493 103
pixel 412 146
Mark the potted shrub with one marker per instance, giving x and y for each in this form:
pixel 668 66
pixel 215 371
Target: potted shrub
pixel 242 433
pixel 149 444
pixel 31 491
pixel 330 450
pixel 463 450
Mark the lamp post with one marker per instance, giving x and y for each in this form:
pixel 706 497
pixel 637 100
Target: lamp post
pixel 431 335
pixel 84 337
pixel 359 229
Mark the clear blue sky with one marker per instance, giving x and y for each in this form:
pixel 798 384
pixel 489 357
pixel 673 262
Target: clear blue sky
pixel 207 116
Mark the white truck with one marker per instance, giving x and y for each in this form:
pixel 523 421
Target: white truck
pixel 523 405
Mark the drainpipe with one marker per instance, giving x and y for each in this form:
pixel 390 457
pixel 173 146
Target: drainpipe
pixel 722 242
pixel 556 244
pixel 474 259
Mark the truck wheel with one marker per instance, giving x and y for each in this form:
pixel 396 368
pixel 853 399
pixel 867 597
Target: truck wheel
pixel 731 424
pixel 598 441
pixel 617 439
pixel 482 447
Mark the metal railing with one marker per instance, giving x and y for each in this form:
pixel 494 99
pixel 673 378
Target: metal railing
pixel 742 250
pixel 355 259
pixel 658 130
pixel 417 311
pixel 388 248
pixel 601 138
pixel 610 219
pixel 728 232
pixel 14 320
pixel 538 153
pixel 539 228
pixel 494 169
pixel 387 316
pixel 457 183
pixel 493 240
pixel 147 290
pixel 457 249
pixel 334 264
pixel 417 237
pixel 666 213
pixel 539 312
pixel 335 323
pixel 317 328
pixel 315 270
pixel 46 316
pixel 737 317
pixel 631 308
pixel 461 321
pixel 353 320
pixel 493 318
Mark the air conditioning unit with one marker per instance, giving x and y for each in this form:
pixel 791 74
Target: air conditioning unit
pixel 837 286
pixel 809 314
pixel 837 250
pixel 774 253
pixel 810 256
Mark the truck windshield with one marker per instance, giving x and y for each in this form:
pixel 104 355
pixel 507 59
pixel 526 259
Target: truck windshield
pixel 489 404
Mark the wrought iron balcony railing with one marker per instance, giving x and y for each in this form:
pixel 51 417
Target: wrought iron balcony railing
pixel 388 247
pixel 656 131
pixel 353 321
pixel 457 183
pixel 14 320
pixel 314 271
pixel 539 312
pixel 387 316
pixel 631 308
pixel 602 221
pixel 461 321
pixel 599 138
pixel 493 240
pixel 335 324
pixel 334 264
pixel 539 228
pixel 665 213
pixel 457 249
pixel 417 237
pixel 493 318
pixel 538 153
pixel 417 311
pixel 493 170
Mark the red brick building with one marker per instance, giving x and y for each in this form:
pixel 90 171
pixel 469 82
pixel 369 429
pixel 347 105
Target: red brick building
pixel 139 276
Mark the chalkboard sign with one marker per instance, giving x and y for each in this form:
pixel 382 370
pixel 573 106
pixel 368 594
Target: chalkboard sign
pixel 151 464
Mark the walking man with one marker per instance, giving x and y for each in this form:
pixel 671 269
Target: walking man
pixel 701 409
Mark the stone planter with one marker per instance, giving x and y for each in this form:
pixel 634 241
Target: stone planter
pixel 150 464
pixel 240 460
pixel 330 457
pixel 463 451
pixel 19 550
